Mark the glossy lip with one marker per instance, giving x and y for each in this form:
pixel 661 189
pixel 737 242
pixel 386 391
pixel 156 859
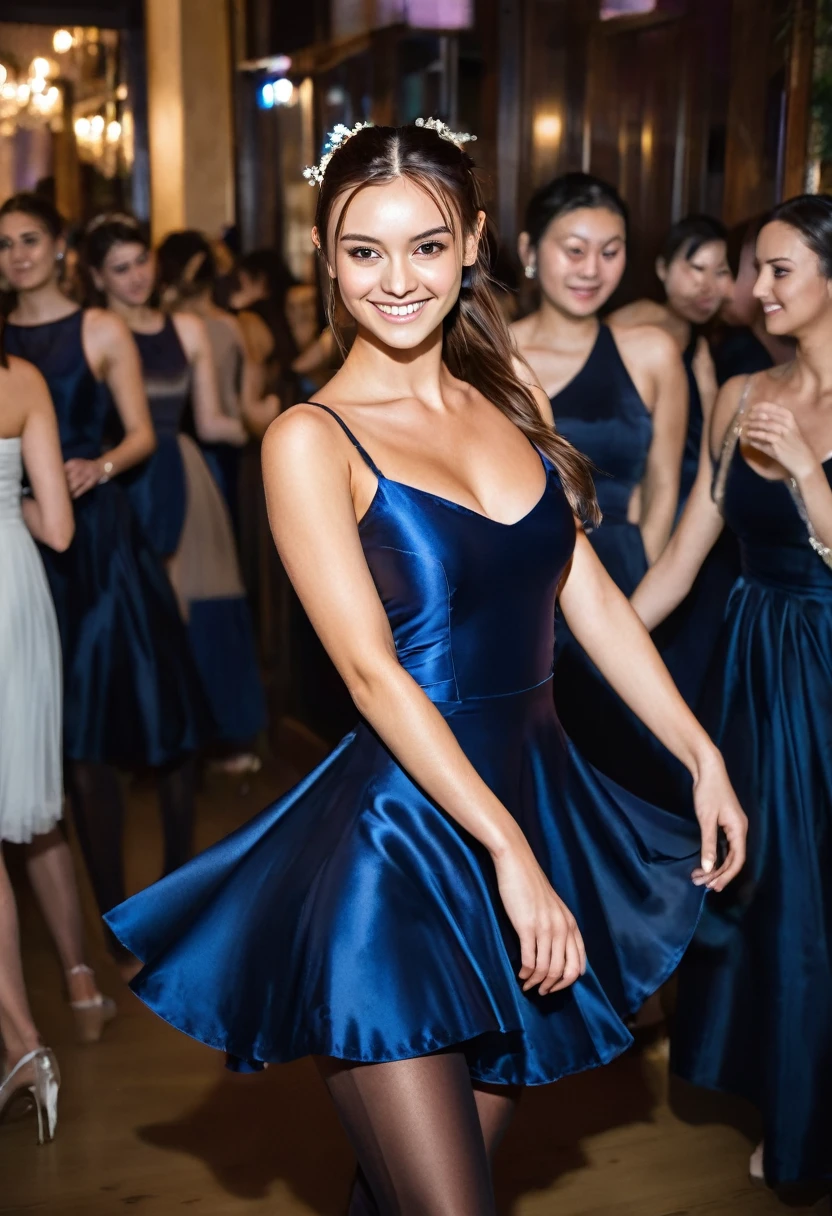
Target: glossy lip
pixel 585 293
pixel 401 319
pixel 768 309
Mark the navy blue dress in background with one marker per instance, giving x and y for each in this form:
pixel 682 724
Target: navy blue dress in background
pixel 163 492
pixel 355 918
pixel 601 413
pixel 754 1012
pixel 132 696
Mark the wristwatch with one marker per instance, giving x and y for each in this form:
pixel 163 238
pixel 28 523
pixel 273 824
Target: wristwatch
pixel 108 472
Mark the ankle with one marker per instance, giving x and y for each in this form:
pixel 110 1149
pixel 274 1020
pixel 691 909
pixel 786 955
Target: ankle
pixel 20 1047
pixel 80 982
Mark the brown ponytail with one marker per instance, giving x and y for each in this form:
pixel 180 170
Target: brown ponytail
pixel 477 345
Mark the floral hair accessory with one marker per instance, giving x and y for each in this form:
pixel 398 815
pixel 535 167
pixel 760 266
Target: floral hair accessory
pixel 444 131
pixel 338 136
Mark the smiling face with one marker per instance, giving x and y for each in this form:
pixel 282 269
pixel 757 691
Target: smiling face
pixel 696 286
pixel 791 286
pixel 128 273
pixel 28 252
pixel 397 262
pixel 580 259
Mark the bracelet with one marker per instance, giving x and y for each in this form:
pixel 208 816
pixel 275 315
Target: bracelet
pixel 108 472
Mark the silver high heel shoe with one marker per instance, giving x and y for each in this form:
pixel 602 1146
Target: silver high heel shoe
pixel 91 1016
pixel 39 1085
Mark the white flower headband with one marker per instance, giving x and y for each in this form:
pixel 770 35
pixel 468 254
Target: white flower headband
pixel 339 135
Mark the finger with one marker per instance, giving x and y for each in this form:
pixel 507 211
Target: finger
pixel 528 954
pixel 579 942
pixel 543 958
pixel 708 828
pixel 572 966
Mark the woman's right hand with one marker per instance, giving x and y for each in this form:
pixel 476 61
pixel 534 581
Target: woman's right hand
pixel 551 947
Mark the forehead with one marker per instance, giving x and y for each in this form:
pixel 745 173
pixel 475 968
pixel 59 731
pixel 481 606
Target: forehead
pixel 16 223
pixel 125 250
pixel 715 249
pixel 781 240
pixel 399 209
pixel 589 223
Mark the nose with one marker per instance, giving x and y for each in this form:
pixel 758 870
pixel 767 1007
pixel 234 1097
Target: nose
pixel 762 286
pixel 590 265
pixel 398 278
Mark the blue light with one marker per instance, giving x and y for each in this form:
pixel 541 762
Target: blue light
pixel 267 96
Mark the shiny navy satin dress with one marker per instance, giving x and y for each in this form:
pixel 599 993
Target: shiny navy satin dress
pixel 354 918
pixel 687 640
pixel 168 495
pixel 132 696
pixel 602 414
pixel 754 1012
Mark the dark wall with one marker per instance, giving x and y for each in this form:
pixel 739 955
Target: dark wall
pixel 111 14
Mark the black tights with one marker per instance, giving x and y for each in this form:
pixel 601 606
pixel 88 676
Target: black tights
pixel 423 1134
pixel 98 814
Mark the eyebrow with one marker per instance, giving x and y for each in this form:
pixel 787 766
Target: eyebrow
pixel 443 230
pixel 771 261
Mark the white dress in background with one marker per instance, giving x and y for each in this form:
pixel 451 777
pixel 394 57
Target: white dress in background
pixel 30 672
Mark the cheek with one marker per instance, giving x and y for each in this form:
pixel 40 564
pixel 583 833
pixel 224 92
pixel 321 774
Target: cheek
pixel 612 272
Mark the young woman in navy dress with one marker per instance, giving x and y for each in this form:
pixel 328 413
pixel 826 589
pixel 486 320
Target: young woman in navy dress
pixel 174 494
pixel 755 995
pixel 132 695
pixel 454 904
pixel 619 395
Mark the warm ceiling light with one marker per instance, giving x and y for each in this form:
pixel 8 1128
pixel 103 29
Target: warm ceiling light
pixel 547 128
pixel 97 124
pixel 82 128
pixel 40 67
pixel 113 132
pixel 62 41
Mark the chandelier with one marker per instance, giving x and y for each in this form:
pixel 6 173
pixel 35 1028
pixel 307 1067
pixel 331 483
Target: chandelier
pixel 32 100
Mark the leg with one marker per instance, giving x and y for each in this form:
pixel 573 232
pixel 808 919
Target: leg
pixel 496 1105
pixel 415 1130
pixel 52 875
pixel 17 1026
pixel 176 803
pixel 98 814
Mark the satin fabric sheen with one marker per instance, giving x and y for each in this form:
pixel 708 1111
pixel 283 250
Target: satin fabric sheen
pixel 354 918
pixel 132 696
pixel 168 494
pixel 601 413
pixel 755 994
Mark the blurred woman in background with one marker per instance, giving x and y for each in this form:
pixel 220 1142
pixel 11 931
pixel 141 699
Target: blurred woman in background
pixel 618 395
pixel 132 695
pixel 31 794
pixel 173 492
pixel 694 272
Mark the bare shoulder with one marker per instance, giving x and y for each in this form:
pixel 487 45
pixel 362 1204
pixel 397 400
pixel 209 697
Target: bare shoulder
pixel 304 437
pixel 105 326
pixel 191 330
pixel 22 377
pixel 640 312
pixel 649 345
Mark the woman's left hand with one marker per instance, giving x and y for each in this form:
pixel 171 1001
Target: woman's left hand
pixel 773 429
pixel 82 475
pixel 717 808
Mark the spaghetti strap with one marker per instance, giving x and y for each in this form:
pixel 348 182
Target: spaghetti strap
pixel 362 451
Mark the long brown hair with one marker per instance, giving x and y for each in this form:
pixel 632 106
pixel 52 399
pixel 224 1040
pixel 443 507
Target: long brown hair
pixel 477 346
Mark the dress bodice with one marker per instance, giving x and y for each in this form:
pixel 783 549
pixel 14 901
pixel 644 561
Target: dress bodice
pixel 470 601
pixel 774 544
pixel 167 377
pixel 601 413
pixel 11 473
pixel 82 403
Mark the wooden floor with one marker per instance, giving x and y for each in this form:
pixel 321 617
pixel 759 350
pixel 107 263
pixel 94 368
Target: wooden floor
pixel 151 1122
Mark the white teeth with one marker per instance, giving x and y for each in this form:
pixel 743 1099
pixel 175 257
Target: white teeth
pixel 400 310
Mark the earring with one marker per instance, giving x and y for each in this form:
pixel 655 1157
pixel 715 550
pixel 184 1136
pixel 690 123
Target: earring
pixel 530 271
pixel 59 257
